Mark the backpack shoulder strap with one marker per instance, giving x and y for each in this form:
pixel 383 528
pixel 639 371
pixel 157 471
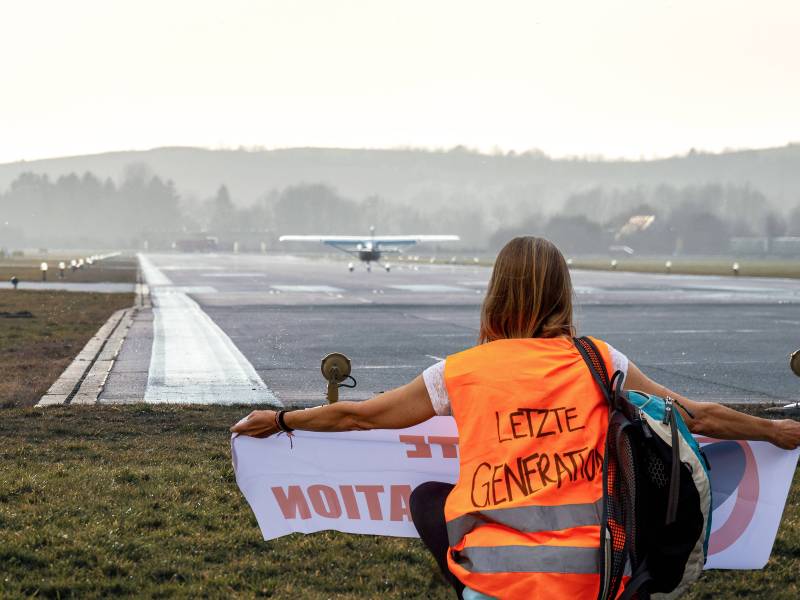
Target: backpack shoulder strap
pixel 591 356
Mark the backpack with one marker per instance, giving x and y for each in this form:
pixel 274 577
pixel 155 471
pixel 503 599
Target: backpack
pixel 656 492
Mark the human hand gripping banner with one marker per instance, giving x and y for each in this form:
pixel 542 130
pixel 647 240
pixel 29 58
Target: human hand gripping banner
pixel 360 482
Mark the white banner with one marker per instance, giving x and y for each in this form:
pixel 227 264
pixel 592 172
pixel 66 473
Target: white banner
pixel 360 482
pixel 749 483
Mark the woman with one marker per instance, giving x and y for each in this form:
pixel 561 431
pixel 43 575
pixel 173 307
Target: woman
pixel 522 519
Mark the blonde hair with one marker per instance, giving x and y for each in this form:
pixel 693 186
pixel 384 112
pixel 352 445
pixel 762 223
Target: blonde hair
pixel 529 294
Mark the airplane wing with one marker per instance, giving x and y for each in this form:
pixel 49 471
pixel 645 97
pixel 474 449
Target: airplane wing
pixel 348 243
pixel 325 239
pixel 384 242
pixel 410 240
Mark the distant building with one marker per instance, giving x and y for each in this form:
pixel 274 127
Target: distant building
pixel 761 246
pixel 786 246
pixel 749 245
pixel 198 244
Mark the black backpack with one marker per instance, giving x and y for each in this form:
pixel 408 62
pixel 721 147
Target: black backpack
pixel 656 492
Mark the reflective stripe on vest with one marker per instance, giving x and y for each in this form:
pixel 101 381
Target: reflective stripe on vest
pixel 528 519
pixel 529 559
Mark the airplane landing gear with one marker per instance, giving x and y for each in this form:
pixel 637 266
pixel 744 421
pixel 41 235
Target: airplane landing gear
pixel 351 266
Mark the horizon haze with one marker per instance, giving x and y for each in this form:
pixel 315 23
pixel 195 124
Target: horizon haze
pixel 613 79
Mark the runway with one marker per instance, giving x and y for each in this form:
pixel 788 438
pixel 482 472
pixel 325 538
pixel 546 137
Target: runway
pixel 252 328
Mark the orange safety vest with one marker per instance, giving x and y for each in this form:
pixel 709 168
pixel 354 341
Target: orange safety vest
pixel 523 521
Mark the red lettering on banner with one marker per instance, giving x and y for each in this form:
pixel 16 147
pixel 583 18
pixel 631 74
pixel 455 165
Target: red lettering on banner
pixel 329 506
pixel 421 448
pixel 449 445
pixel 401 498
pixel 373 502
pixel 292 502
pixel 350 503
pixel 297 502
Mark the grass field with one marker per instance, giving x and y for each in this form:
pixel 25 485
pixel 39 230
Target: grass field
pixel 34 351
pixel 141 501
pixel 690 266
pixel 113 270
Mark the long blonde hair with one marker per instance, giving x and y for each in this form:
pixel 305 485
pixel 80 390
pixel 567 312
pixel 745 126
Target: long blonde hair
pixel 529 294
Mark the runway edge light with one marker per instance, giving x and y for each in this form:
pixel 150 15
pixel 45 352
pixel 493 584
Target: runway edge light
pixel 794 365
pixel 336 369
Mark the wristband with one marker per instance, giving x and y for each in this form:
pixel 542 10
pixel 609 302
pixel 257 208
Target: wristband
pixel 279 419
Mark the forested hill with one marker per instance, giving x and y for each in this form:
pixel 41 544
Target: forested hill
pixel 424 178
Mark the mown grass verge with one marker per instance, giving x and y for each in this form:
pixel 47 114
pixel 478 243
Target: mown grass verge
pixel 141 501
pixel 695 266
pixel 34 351
pixel 119 269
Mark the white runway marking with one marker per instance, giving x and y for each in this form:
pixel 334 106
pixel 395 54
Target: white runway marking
pixel 307 288
pixel 480 283
pixel 239 274
pixel 152 274
pixel 195 289
pixel 436 358
pixel 387 366
pixel 193 360
pixel 423 287
pixel 190 268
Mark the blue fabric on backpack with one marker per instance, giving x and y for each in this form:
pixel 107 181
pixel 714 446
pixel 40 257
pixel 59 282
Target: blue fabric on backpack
pixel 655 407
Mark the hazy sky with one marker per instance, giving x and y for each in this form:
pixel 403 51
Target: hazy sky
pixel 620 78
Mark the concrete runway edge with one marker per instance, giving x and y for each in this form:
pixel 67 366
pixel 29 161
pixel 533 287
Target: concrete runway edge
pixel 83 380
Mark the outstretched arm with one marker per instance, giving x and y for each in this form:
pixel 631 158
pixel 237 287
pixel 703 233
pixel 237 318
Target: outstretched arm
pixel 718 421
pixel 396 409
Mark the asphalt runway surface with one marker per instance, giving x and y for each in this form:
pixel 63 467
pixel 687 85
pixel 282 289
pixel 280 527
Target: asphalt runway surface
pixel 253 329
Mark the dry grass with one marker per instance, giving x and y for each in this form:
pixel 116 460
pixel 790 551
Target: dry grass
pixel 34 352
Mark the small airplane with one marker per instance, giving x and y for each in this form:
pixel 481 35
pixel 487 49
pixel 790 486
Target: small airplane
pixel 369 249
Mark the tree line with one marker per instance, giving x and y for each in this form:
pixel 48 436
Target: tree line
pixel 695 219
pixel 83 210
